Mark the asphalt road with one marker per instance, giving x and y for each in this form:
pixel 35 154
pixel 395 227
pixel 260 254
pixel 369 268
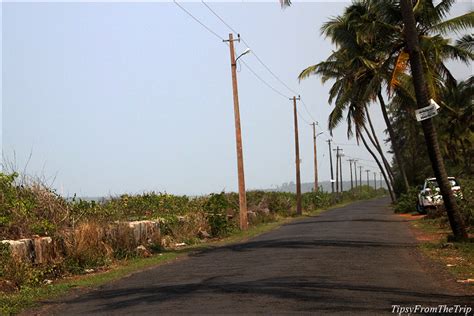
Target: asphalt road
pixel 359 259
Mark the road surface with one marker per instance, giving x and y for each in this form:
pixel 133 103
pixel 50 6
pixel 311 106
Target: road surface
pixel 359 259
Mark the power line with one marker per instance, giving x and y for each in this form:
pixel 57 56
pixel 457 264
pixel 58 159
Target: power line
pixel 301 117
pixel 307 111
pixel 222 39
pixel 263 81
pixel 243 62
pixel 198 21
pixel 254 53
pixel 264 65
pixel 346 144
pixel 221 19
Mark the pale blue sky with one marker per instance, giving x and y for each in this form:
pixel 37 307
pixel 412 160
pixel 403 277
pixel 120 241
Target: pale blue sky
pixel 122 97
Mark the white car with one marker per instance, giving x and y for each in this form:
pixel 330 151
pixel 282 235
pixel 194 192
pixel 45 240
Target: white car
pixel 430 196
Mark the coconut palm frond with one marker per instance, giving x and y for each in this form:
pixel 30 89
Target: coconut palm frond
pixel 455 25
pixel 457 52
pixel 401 65
pixel 285 3
pixel 466 42
pixel 442 8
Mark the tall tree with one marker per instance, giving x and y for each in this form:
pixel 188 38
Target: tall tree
pixel 429 131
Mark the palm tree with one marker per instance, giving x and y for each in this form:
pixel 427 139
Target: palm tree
pixel 349 95
pixel 358 37
pixel 429 131
pixel 456 122
pixel 356 68
pixel 374 30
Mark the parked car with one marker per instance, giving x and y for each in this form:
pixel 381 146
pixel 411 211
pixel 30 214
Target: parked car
pixel 430 196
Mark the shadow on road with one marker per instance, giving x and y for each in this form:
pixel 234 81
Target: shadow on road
pixel 303 244
pixel 300 288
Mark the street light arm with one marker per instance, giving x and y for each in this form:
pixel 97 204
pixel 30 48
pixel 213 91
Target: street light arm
pixel 244 53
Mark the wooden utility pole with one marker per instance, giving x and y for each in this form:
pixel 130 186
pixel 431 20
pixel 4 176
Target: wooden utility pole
pixel 355 172
pixel 316 186
pixel 350 168
pixel 340 170
pixel 375 180
pixel 360 176
pixel 368 183
pixel 299 210
pixel 330 162
pixel 238 139
pixel 337 169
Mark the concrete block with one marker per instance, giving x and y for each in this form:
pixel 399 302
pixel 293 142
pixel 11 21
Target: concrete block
pixel 22 249
pixel 44 250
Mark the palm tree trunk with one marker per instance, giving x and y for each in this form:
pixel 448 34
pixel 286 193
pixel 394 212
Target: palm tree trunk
pixel 396 149
pixel 429 131
pixel 389 187
pixel 375 141
pixel 389 176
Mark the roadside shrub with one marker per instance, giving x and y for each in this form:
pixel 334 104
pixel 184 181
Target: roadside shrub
pixel 406 203
pixel 86 247
pixel 283 203
pixel 5 257
pixel 120 239
pixel 11 269
pixel 314 200
pixel 215 208
pixel 29 208
pixel 466 203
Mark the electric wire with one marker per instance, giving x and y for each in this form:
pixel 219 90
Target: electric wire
pixel 307 110
pixel 263 81
pixel 248 45
pixel 198 21
pixel 242 61
pixel 221 19
pixel 262 63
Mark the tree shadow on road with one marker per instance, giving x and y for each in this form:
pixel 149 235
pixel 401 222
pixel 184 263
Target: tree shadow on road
pixel 311 294
pixel 303 244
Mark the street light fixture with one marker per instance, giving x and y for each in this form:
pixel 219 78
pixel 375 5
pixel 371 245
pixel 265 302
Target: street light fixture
pixel 248 50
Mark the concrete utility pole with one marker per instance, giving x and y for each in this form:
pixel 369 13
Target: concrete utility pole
pixel 360 176
pixel 368 184
pixel 375 180
pixel 330 162
pixel 380 179
pixel 299 210
pixel 350 167
pixel 238 139
pixel 315 159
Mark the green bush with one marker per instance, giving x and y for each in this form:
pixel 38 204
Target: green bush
pixel 4 258
pixel 406 203
pixel 216 211
pixel 466 202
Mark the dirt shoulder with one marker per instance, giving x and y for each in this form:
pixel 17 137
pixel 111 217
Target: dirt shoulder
pixel 453 262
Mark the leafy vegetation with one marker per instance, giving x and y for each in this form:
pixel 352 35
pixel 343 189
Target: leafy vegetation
pixel 90 235
pixel 370 63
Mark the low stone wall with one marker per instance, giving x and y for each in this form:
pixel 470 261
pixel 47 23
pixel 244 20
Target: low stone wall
pixel 145 232
pixel 37 250
pixel 42 250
